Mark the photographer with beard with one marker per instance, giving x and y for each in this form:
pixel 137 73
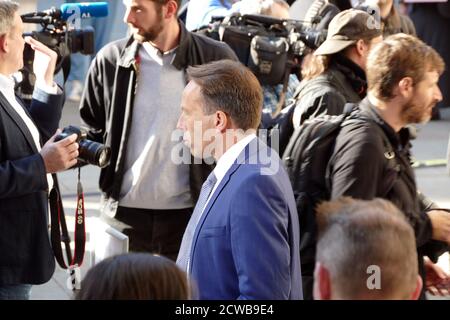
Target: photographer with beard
pixel 402 75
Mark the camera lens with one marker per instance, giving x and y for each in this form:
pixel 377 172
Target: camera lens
pixel 94 153
pixel 103 157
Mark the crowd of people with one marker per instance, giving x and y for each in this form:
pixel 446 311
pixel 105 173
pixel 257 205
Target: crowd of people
pixel 210 209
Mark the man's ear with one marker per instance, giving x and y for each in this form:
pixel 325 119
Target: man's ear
pixel 322 282
pixel 171 9
pixel 221 121
pixel 419 285
pixel 361 47
pixel 4 43
pixel 405 87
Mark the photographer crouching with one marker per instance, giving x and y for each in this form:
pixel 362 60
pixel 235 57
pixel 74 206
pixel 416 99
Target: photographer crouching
pixel 26 256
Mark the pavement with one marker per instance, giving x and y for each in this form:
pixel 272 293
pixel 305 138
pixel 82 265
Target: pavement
pixel 56 288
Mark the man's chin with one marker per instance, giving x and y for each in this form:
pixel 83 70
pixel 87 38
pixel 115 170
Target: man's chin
pixel 428 115
pixel 139 38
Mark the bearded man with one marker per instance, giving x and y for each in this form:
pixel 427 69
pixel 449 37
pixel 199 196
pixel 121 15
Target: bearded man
pixel 372 156
pixel 131 103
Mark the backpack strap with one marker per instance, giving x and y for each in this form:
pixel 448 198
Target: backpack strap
pixel 392 167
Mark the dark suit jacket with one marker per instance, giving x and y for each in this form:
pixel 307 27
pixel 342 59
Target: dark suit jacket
pixel 444 9
pixel 432 21
pixel 26 256
pixel 246 245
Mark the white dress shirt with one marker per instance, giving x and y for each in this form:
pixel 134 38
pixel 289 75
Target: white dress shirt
pixel 227 160
pixel 7 88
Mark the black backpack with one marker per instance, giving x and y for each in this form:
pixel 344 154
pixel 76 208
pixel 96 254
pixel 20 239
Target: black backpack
pixel 306 159
pixel 282 125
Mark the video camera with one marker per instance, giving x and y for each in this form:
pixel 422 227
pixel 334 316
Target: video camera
pixel 272 48
pixel 62 33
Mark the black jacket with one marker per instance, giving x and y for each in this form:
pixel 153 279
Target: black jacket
pixel 26 256
pixel 343 82
pixel 359 169
pixel 106 105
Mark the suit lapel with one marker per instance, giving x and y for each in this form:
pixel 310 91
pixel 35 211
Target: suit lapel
pixel 18 120
pixel 242 158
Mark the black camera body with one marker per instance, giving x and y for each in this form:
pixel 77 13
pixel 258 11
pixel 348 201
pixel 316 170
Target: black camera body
pixel 63 43
pixel 90 152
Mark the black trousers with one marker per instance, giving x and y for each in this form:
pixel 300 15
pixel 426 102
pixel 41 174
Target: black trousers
pixel 155 231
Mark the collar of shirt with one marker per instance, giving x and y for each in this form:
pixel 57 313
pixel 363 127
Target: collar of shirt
pixel 157 55
pixel 229 157
pixel 7 85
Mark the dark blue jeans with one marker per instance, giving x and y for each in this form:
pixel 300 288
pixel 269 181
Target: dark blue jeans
pixel 15 292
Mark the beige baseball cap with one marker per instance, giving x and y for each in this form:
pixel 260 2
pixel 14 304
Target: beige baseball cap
pixel 346 28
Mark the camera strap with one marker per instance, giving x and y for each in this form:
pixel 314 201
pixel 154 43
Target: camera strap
pixel 59 232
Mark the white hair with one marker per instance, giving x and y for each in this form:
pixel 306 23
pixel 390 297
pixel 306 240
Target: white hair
pixel 7 10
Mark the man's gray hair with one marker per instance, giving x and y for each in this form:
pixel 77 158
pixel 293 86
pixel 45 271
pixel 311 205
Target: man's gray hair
pixel 7 10
pixel 355 235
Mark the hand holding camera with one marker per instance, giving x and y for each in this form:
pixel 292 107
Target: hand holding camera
pixel 60 155
pixel 89 152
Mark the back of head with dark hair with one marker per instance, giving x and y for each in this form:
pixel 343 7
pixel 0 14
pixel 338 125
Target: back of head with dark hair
pixel 135 276
pixel 230 87
pixel 162 2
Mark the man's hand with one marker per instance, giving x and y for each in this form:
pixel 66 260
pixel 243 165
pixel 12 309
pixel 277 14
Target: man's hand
pixel 60 155
pixel 440 221
pixel 437 280
pixel 44 61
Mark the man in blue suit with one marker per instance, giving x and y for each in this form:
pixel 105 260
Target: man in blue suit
pixel 242 241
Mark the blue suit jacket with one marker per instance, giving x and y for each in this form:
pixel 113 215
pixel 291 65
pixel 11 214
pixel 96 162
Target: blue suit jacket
pixel 246 245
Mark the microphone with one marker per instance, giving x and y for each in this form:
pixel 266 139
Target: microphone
pixel 82 10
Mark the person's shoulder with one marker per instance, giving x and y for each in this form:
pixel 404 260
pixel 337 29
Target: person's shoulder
pixel 321 87
pixel 212 45
pixel 360 130
pixel 113 50
pixel 324 82
pixel 262 167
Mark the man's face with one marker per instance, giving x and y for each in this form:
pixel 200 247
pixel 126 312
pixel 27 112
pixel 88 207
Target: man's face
pixel 426 95
pixel 16 44
pixel 194 122
pixel 145 18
